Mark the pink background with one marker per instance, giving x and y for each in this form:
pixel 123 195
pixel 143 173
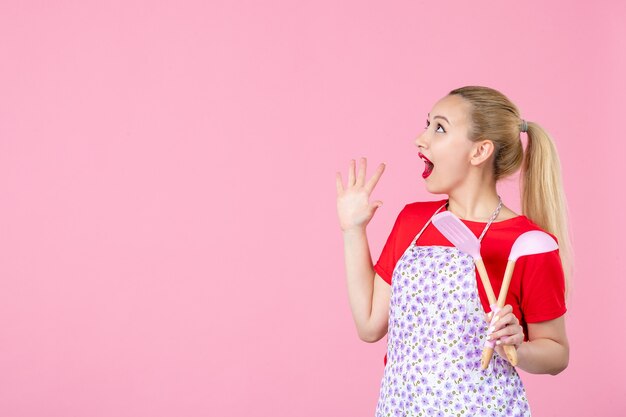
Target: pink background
pixel 169 238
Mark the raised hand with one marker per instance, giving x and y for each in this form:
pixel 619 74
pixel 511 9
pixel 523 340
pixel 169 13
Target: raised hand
pixel 353 206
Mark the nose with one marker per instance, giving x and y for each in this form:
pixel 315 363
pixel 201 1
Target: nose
pixel 419 141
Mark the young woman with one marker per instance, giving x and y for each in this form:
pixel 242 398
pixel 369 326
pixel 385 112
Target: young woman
pixel 425 294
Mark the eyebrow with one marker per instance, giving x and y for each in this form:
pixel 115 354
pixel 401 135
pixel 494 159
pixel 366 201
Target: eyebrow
pixel 441 117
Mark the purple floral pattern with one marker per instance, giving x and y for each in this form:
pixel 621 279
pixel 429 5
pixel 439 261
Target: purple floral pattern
pixel 434 343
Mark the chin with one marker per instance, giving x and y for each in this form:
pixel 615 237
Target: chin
pixel 433 189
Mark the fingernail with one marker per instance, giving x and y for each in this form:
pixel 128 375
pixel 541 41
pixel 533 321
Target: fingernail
pixel 498 342
pixel 492 328
pixel 495 318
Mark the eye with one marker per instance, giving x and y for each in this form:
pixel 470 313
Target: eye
pixel 438 127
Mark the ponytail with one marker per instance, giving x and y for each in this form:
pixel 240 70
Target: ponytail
pixel 542 195
pixel 493 116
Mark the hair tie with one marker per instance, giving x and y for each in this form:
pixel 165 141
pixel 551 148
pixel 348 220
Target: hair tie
pixel 524 126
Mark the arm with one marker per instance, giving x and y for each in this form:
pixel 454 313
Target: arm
pixel 547 348
pixel 543 282
pixel 369 294
pixel 547 351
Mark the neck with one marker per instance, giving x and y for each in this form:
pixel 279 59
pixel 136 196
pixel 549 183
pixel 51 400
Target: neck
pixel 474 205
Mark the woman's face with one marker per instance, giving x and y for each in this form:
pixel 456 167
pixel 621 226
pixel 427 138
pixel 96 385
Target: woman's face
pixel 445 145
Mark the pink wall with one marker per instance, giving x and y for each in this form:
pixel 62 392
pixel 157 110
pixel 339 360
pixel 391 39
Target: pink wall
pixel 169 240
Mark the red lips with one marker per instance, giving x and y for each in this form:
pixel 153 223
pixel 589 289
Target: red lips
pixel 429 166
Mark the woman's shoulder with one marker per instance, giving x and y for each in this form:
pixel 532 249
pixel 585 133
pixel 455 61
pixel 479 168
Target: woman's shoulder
pixel 519 225
pixel 418 212
pixel 420 208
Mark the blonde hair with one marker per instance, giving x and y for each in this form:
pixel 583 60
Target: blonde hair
pixel 494 117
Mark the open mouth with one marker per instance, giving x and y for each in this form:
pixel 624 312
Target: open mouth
pixel 429 166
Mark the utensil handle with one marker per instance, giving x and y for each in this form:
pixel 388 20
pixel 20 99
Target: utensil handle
pixel 486 358
pixel 491 296
pixel 484 278
pixel 511 352
pixel 506 282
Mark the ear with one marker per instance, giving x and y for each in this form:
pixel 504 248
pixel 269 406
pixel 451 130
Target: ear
pixel 481 151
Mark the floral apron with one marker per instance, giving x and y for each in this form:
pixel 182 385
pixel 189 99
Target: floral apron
pixel 435 339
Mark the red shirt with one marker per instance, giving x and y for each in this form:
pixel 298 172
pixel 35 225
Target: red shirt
pixel 537 289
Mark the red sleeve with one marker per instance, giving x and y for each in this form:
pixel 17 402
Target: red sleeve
pixel 388 257
pixel 392 251
pixel 542 287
